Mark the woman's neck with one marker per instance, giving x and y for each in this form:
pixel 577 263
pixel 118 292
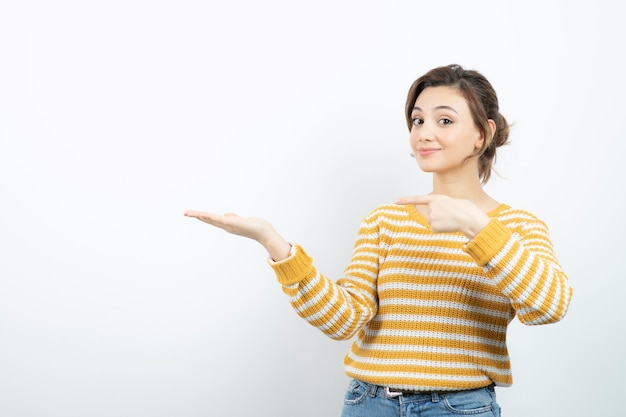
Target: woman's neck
pixel 464 187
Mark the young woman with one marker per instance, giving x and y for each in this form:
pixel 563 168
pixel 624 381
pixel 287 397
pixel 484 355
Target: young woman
pixel 434 280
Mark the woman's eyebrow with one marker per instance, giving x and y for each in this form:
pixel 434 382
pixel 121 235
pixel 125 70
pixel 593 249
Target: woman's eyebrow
pixel 442 107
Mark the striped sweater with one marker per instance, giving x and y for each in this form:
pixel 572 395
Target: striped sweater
pixel 430 310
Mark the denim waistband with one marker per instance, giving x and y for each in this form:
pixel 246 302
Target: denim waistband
pixel 386 392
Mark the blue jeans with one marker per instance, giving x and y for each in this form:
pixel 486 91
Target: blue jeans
pixel 367 400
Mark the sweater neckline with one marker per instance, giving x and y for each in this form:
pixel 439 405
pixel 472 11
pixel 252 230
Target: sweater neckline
pixel 417 216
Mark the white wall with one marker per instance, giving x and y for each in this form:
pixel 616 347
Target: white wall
pixel 116 116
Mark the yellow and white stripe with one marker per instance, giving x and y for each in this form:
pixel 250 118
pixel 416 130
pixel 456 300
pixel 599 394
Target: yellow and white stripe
pixel 430 310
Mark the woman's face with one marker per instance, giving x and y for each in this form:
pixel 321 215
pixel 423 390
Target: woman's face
pixel 443 134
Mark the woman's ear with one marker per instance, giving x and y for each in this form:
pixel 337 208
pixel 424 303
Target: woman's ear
pixel 483 141
pixel 492 125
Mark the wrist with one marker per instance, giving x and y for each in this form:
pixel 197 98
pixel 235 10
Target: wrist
pixel 476 226
pixel 277 248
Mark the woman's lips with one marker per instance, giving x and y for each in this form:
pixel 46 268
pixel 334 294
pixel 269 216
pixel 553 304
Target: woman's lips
pixel 427 151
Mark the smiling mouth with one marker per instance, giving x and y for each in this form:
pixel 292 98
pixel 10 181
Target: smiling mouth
pixel 427 151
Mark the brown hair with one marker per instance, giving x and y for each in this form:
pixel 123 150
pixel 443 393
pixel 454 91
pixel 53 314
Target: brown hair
pixel 483 104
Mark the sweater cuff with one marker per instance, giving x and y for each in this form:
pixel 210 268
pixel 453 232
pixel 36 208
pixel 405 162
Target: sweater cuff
pixel 486 244
pixel 293 269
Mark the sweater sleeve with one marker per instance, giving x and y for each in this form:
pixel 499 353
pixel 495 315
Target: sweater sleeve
pixel 341 308
pixel 522 264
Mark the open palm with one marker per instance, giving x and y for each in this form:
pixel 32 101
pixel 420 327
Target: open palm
pixel 249 227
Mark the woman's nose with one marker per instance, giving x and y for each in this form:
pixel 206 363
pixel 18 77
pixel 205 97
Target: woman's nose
pixel 425 134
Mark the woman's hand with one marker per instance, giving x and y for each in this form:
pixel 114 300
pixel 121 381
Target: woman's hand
pixel 448 214
pixel 252 228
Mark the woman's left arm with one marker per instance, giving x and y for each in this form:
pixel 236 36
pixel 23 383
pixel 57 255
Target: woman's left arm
pixel 522 264
pixel 519 258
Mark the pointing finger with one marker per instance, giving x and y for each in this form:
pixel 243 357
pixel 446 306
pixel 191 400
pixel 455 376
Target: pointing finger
pixel 416 199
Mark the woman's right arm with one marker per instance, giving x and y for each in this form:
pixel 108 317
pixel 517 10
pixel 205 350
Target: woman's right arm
pixel 339 309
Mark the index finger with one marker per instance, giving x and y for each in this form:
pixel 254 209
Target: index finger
pixel 415 199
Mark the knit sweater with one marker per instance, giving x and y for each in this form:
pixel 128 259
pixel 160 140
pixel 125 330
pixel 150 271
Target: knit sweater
pixel 430 310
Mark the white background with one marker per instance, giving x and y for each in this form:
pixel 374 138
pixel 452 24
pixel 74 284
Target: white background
pixel 118 115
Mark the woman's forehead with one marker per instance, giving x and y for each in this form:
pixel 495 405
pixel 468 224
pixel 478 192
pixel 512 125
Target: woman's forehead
pixel 441 96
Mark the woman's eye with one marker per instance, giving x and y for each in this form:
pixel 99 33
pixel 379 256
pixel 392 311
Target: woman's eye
pixel 417 121
pixel 445 121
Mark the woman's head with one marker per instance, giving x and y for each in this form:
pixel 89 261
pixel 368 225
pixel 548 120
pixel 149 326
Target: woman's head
pixel 483 104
